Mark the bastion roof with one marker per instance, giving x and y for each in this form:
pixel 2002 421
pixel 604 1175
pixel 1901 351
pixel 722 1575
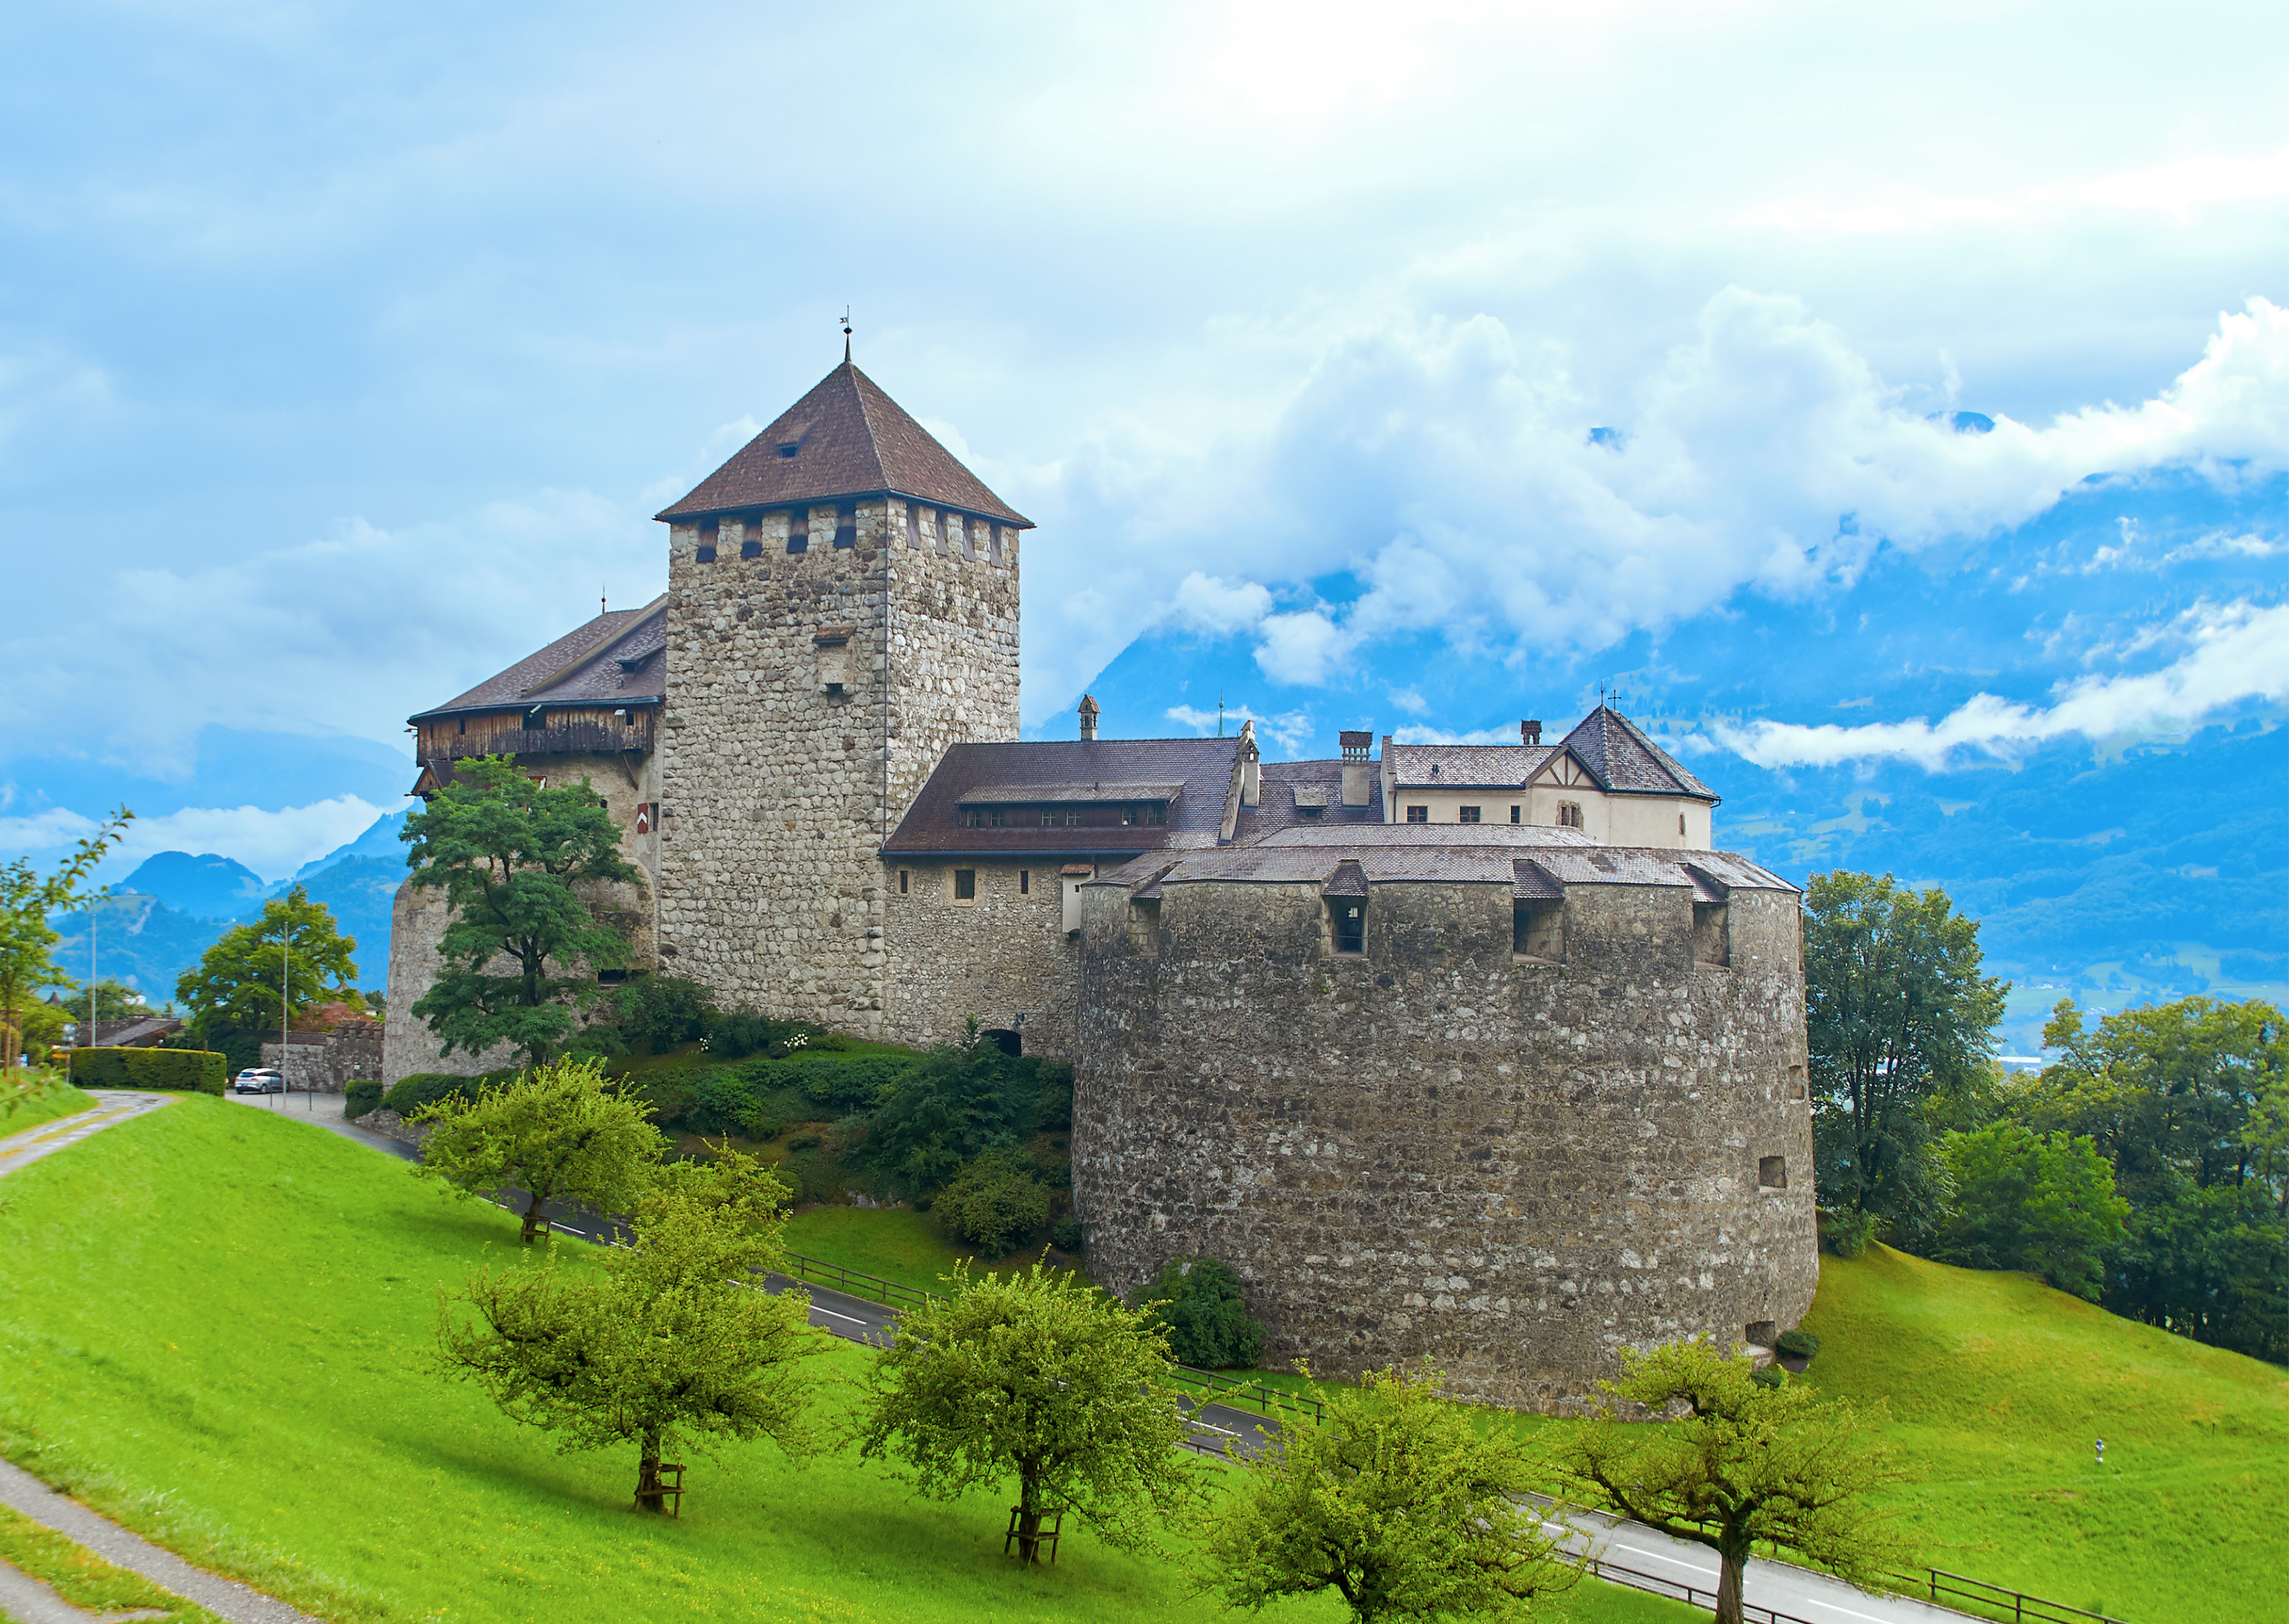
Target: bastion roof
pixel 619 658
pixel 1531 861
pixel 1613 750
pixel 845 438
pixel 1192 775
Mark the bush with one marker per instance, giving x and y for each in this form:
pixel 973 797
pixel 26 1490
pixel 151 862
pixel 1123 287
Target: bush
pixel 1768 1376
pixel 992 1203
pixel 959 1102
pixel 738 1035
pixel 1210 1326
pixel 661 1012
pixel 1066 1236
pixel 361 1097
pixel 721 1102
pixel 1797 1345
pixel 813 1174
pixel 409 1093
pixel 1847 1234
pixel 196 1070
pixel 839 1081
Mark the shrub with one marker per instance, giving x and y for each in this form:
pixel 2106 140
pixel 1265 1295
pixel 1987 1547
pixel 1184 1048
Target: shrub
pixel 1768 1376
pixel 1797 1345
pixel 1210 1326
pixel 992 1203
pixel 721 1102
pixel 1847 1234
pixel 1066 1236
pixel 958 1101
pixel 737 1037
pixel 813 1174
pixel 841 1082
pixel 198 1070
pixel 410 1092
pixel 361 1097
pixel 660 1012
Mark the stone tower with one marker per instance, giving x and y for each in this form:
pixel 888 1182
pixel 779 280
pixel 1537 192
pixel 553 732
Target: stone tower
pixel 842 606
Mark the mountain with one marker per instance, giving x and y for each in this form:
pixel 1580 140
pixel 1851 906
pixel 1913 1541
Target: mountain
pixel 209 886
pixel 138 940
pixel 358 891
pixel 379 841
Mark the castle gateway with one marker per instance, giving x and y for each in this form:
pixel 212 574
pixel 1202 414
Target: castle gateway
pixel 1478 1052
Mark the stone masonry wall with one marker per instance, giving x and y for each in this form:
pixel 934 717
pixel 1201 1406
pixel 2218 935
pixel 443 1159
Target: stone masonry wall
pixel 418 917
pixel 1519 1168
pixel 328 1062
pixel 777 794
pixel 1002 954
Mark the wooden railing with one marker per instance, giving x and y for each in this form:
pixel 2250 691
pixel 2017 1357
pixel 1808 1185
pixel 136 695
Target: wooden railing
pixel 1938 1584
pixel 1691 1595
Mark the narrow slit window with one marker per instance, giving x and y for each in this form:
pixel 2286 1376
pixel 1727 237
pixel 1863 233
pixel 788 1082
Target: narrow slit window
pixel 1513 814
pixel 1025 882
pixel 903 875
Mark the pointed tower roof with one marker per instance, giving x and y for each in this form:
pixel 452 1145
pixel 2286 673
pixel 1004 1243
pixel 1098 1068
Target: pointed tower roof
pixel 845 438
pixel 1622 758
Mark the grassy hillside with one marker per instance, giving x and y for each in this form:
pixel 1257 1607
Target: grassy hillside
pixel 1996 1387
pixel 214 1327
pixel 45 1096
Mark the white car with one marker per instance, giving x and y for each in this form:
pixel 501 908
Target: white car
pixel 258 1080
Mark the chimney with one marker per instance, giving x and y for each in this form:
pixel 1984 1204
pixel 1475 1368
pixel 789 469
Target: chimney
pixel 1251 767
pixel 1355 748
pixel 1088 716
pixel 1530 732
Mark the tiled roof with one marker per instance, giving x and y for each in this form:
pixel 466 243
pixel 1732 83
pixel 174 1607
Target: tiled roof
pixel 1287 785
pixel 619 658
pixel 1454 853
pixel 1615 750
pixel 1466 767
pixel 1078 770
pixel 1096 791
pixel 849 439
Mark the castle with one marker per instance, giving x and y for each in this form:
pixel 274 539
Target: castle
pixel 1476 1051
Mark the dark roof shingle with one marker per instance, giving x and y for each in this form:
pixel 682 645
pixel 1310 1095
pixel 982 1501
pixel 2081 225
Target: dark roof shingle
pixel 1071 769
pixel 619 658
pixel 849 439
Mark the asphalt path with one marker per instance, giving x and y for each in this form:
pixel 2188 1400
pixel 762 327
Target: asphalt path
pixel 1770 1588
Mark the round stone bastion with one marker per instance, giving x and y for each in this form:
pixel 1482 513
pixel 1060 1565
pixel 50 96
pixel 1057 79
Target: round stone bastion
pixel 1501 1097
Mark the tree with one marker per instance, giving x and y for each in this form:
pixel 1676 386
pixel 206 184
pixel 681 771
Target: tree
pixel 1035 1376
pixel 1901 1025
pixel 2185 1102
pixel 234 995
pixel 2040 1203
pixel 1746 1464
pixel 27 897
pixel 510 855
pixel 962 1100
pixel 1198 1300
pixel 994 1202
pixel 675 1342
pixel 1394 1500
pixel 560 1133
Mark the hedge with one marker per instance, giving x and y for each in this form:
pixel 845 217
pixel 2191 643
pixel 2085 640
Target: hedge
pixel 200 1070
pixel 360 1097
pixel 409 1093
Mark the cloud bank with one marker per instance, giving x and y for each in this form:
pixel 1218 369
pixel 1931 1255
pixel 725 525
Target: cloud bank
pixel 273 844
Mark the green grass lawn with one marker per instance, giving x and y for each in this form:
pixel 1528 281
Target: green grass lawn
pixel 1996 1385
pixel 216 1326
pixel 41 1097
pixel 894 1244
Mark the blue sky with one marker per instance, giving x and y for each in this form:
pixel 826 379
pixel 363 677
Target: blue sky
pixel 345 352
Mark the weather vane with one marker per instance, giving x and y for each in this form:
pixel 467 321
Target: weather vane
pixel 846 335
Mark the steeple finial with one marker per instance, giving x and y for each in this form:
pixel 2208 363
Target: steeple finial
pixel 846 335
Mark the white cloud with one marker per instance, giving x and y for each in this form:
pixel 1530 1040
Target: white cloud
pixel 1410 700
pixel 1204 603
pixel 1287 732
pixel 1439 735
pixel 273 843
pixel 2240 652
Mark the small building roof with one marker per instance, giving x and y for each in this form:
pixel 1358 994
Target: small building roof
pixel 1287 787
pixel 846 438
pixel 1613 750
pixel 619 658
pixel 1192 775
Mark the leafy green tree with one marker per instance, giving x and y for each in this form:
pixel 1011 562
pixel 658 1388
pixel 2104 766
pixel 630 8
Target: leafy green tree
pixel 111 999
pixel 1209 1327
pixel 1394 1500
pixel 1746 1465
pixel 2044 1204
pixel 961 1099
pixel 2185 1102
pixel 511 857
pixel 233 993
pixel 675 1342
pixel 992 1203
pixel 27 897
pixel 1901 1025
pixel 1039 1377
pixel 559 1132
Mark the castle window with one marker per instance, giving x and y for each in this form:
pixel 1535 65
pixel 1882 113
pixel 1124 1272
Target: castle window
pixel 1772 1172
pixel 464 724
pixel 1025 882
pixel 972 817
pixel 1538 929
pixel 1569 815
pixel 846 525
pixel 751 548
pixel 1680 824
pixel 965 884
pixel 1156 814
pixel 902 882
pixel 705 552
pixel 1073 819
pixel 1418 814
pixel 1130 816
pixel 533 720
pixel 799 532
pixel 1467 814
pixel 1712 941
pixel 998 816
pixel 1513 814
pixel 1309 811
pixel 1048 818
pixel 1348 916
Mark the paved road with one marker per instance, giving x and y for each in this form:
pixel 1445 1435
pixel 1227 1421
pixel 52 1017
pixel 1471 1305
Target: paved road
pixel 1794 1592
pixel 112 1106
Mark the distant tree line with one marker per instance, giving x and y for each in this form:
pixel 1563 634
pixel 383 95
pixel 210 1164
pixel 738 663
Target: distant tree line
pixel 2147 1169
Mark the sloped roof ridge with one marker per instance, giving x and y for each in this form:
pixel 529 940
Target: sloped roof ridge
pixel 1669 765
